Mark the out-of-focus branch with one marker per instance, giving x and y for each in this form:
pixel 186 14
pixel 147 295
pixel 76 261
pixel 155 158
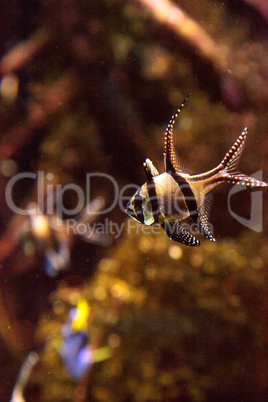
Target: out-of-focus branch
pixel 12 337
pixel 188 30
pixel 23 52
pixel 50 101
pixel 260 5
pixel 9 241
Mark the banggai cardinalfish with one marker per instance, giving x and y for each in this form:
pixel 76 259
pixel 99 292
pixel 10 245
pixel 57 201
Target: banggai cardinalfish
pixel 170 197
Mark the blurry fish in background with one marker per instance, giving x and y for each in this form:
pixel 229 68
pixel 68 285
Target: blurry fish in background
pixel 76 351
pixel 170 197
pixel 55 261
pixel 39 237
pixel 47 235
pixel 9 87
pixel 23 377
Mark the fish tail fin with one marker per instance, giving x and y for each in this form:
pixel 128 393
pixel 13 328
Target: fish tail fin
pixel 229 165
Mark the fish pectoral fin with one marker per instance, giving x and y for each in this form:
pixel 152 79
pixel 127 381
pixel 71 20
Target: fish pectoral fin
pixel 150 169
pixel 202 220
pixel 175 231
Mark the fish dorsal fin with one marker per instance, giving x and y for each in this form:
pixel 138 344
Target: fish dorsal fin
pixel 231 159
pixel 170 158
pixel 203 213
pixel 150 169
pixel 175 231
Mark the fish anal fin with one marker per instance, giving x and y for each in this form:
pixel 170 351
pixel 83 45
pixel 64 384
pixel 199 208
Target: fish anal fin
pixel 175 231
pixel 150 169
pixel 203 213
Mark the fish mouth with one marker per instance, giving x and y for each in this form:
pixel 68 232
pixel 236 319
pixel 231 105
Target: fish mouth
pixel 132 215
pixel 129 211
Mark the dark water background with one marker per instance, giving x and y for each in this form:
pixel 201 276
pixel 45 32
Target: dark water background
pixel 89 87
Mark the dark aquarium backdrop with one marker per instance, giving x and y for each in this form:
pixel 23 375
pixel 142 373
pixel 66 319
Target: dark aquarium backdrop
pixel 93 306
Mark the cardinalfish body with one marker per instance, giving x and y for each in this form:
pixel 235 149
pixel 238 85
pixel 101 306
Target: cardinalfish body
pixel 170 197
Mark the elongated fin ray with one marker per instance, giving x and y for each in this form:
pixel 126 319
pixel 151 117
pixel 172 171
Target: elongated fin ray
pixel 229 165
pixel 244 180
pixel 150 169
pixel 170 158
pixel 203 213
pixel 175 231
pixel 231 159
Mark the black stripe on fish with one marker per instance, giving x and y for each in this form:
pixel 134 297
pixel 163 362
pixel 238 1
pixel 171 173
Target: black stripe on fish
pixel 200 218
pixel 153 199
pixel 138 202
pixel 188 194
